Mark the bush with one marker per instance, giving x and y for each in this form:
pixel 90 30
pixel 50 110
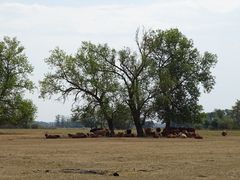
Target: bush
pixel 35 126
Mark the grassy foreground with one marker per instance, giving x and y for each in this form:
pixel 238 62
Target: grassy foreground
pixel 26 154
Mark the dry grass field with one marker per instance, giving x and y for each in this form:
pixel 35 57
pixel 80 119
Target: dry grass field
pixel 26 154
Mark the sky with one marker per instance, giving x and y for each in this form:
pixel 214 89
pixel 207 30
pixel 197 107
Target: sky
pixel 40 26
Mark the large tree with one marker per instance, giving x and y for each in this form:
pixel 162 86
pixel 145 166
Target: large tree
pixel 79 75
pixel 181 71
pixel 137 85
pixel 14 81
pixel 163 75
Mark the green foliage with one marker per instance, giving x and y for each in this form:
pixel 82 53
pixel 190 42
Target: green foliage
pixel 19 113
pixel 14 68
pixel 236 112
pixel 220 119
pixel 180 70
pixel 88 116
pixel 14 81
pixel 25 113
pixel 226 122
pixel 92 117
pixel 62 121
pixel 82 75
pixel 35 126
pixel 122 118
pixel 165 74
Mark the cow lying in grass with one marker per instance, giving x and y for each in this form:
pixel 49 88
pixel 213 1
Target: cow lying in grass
pixel 156 135
pixel 95 129
pixel 128 131
pixel 197 136
pixel 77 135
pixel 182 135
pixel 224 133
pixel 149 132
pixel 92 135
pixel 51 136
pixel 180 132
pixel 100 132
pixel 120 134
pixel 158 130
pixel 129 135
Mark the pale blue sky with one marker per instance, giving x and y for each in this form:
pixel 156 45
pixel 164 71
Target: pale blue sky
pixel 214 26
pixel 79 2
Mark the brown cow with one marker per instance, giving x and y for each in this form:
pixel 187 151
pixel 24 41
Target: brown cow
pixel 119 134
pixel 171 136
pixel 224 133
pixel 101 132
pixel 197 136
pixel 51 136
pixel 129 135
pixel 95 129
pixel 77 135
pixel 156 135
pixel 128 131
pixel 158 130
pixel 149 132
pixel 92 135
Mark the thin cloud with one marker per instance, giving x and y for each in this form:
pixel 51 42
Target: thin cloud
pixel 103 18
pixel 212 24
pixel 219 6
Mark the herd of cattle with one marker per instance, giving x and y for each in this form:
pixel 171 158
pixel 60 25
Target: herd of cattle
pixel 149 132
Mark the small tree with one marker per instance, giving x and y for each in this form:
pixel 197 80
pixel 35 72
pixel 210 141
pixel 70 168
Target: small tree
pixel 57 120
pixel 236 113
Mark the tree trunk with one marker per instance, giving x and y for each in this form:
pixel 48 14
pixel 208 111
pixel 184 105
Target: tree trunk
pixel 108 118
pixel 110 125
pixel 168 123
pixel 168 117
pixel 138 125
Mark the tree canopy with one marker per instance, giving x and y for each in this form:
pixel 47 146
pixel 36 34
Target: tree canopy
pixel 14 81
pixel 236 112
pixel 163 76
pixel 181 70
pixel 81 75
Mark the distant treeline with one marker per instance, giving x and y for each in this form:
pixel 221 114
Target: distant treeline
pixel 60 122
pixel 218 119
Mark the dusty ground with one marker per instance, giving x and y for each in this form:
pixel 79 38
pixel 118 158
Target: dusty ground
pixel 25 154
